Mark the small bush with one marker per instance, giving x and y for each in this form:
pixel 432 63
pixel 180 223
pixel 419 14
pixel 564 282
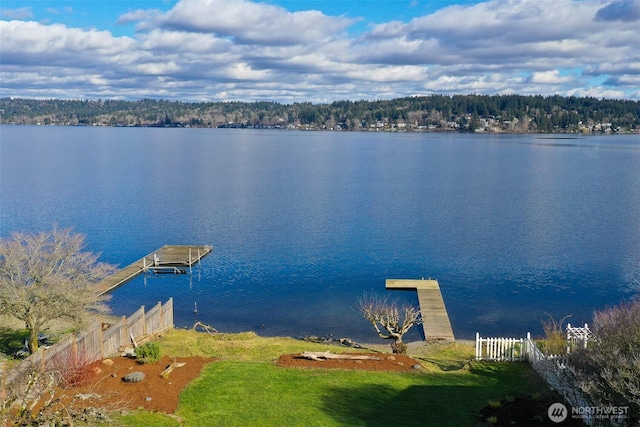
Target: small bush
pixel 555 341
pixel 133 377
pixel 148 353
pixel 73 367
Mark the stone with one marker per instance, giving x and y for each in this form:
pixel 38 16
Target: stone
pixel 129 352
pixel 133 377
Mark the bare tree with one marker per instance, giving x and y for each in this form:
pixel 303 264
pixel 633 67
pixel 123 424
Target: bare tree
pixel 395 318
pixel 47 276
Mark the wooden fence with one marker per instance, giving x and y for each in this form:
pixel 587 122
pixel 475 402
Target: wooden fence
pixel 97 343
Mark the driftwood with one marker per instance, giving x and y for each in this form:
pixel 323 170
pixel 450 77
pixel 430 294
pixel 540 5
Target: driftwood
pixel 133 340
pixel 170 369
pixel 320 355
pixel 206 328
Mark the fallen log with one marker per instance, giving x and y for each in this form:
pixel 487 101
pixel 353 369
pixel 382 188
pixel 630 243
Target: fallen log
pixel 324 355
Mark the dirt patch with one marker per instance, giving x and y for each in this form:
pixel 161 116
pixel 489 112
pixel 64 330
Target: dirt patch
pixel 387 362
pixel 105 388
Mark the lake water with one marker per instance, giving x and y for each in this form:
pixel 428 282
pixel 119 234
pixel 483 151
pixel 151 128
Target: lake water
pixel 302 223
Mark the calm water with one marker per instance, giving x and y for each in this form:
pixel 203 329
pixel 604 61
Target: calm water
pixel 302 223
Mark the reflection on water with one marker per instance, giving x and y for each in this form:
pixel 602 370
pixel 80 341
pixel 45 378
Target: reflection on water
pixel 302 223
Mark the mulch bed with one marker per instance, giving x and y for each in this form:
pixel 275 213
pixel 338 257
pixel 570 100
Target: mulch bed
pixel 388 362
pixel 104 388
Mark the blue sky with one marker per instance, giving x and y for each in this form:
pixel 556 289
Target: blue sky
pixel 318 51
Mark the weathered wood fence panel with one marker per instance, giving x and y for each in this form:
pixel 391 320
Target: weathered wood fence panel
pixel 114 336
pixel 159 317
pixel 136 324
pixel 95 343
pixel 166 315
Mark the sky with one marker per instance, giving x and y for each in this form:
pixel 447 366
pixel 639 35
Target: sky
pixel 317 51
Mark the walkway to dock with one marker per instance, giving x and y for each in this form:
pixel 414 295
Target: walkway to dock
pixel 435 320
pixel 166 259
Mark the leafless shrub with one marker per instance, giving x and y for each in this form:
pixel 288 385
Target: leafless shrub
pixel 608 370
pixel 395 318
pixel 35 399
pixel 73 367
pixel 28 398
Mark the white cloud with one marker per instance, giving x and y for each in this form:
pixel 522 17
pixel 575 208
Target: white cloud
pixel 248 22
pixel 138 16
pixel 549 77
pixel 20 13
pixel 240 49
pixel 41 43
pixel 64 10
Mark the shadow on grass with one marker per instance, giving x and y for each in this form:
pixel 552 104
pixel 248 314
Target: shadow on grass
pixel 447 399
pixel 379 405
pixel 11 340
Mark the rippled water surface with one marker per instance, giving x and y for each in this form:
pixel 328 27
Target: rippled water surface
pixel 513 226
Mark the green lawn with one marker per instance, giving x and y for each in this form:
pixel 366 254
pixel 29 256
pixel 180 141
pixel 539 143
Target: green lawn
pixel 246 387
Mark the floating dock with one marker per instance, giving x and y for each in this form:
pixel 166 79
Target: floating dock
pixel 435 320
pixel 167 259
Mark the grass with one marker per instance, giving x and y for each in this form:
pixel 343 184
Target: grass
pixel 246 387
pixel 11 340
pixel 144 418
pixel 235 394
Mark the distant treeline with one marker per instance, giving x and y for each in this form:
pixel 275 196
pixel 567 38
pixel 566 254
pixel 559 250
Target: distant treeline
pixel 460 113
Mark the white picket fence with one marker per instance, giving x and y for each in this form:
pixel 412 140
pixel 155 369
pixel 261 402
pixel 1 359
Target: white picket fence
pixel 553 368
pixel 500 349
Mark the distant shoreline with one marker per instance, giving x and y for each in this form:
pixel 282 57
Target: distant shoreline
pixel 548 135
pixel 511 114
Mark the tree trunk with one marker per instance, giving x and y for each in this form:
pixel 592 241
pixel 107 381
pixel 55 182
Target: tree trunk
pixel 398 347
pixel 33 340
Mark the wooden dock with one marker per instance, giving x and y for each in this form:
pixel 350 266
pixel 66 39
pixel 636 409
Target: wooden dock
pixel 168 258
pixel 435 323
